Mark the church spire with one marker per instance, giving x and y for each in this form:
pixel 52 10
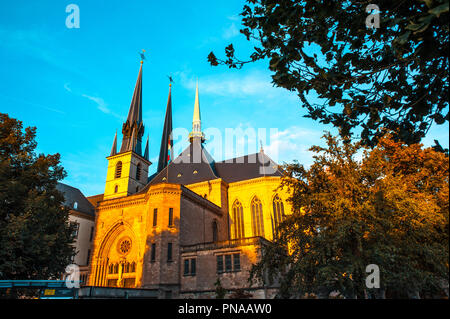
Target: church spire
pixel 114 147
pixel 196 121
pixel 146 149
pixel 133 128
pixel 166 141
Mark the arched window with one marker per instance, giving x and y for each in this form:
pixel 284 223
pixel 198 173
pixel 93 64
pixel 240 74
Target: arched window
pixel 75 205
pixel 116 189
pixel 238 220
pixel 278 212
pixel 116 268
pixel 111 268
pixel 133 267
pixel 215 231
pixel 257 217
pixel 118 169
pixel 126 268
pixel 138 171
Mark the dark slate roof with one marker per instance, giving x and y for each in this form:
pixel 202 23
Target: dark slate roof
pixel 196 158
pixel 247 167
pixel 72 195
pixel 193 165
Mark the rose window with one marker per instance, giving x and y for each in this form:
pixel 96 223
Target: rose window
pixel 124 246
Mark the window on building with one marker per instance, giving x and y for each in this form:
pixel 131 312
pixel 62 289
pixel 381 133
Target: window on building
pixel 138 172
pixel 228 266
pixel 116 268
pixel 116 189
pixel 88 256
pixel 257 217
pixel 238 220
pixel 169 252
pixel 155 217
pixel 133 267
pixel 170 217
pixel 186 267
pixel 75 205
pixel 91 236
pixel 76 228
pixel 189 267
pixel 278 213
pixel 236 262
pixel 228 263
pixel 153 253
pixel 118 169
pixel 219 264
pixel 193 266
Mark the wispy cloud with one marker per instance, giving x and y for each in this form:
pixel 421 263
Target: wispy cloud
pixel 234 17
pixel 101 105
pixel 230 32
pixel 293 143
pixel 254 84
pixel 67 88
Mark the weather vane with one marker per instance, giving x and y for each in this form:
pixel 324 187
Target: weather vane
pixel 142 55
pixel 170 79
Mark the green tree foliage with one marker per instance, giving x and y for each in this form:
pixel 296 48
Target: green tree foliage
pixel 395 76
pixel 220 291
pixel 35 237
pixel 389 208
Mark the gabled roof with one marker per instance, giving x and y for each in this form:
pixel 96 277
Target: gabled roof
pixel 193 165
pixel 73 195
pixel 247 167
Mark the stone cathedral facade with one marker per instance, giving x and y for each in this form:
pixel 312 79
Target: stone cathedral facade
pixel 193 222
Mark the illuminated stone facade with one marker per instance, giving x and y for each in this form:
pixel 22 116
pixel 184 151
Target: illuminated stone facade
pixel 187 226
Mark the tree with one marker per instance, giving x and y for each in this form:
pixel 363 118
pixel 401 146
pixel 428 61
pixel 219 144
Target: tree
pixel 35 237
pixel 220 291
pixel 390 208
pixel 353 76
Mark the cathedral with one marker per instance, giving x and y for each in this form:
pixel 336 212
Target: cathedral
pixel 195 222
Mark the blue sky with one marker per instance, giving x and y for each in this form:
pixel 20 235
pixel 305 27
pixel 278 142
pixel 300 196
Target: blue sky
pixel 75 85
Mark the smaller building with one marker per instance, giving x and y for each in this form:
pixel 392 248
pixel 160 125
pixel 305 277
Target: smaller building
pixel 82 216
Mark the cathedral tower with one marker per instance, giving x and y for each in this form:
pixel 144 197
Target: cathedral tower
pixel 196 133
pixel 128 169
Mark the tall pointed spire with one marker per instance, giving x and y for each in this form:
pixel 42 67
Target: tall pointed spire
pixel 166 141
pixel 146 151
pixel 196 121
pixel 133 126
pixel 114 147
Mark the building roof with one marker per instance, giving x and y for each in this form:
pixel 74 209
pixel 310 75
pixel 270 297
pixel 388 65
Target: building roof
pixel 193 165
pixel 73 195
pixel 196 165
pixel 247 167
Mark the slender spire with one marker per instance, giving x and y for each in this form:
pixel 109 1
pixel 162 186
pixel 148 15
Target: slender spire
pixel 196 121
pixel 146 149
pixel 196 117
pixel 166 141
pixel 133 126
pixel 114 147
